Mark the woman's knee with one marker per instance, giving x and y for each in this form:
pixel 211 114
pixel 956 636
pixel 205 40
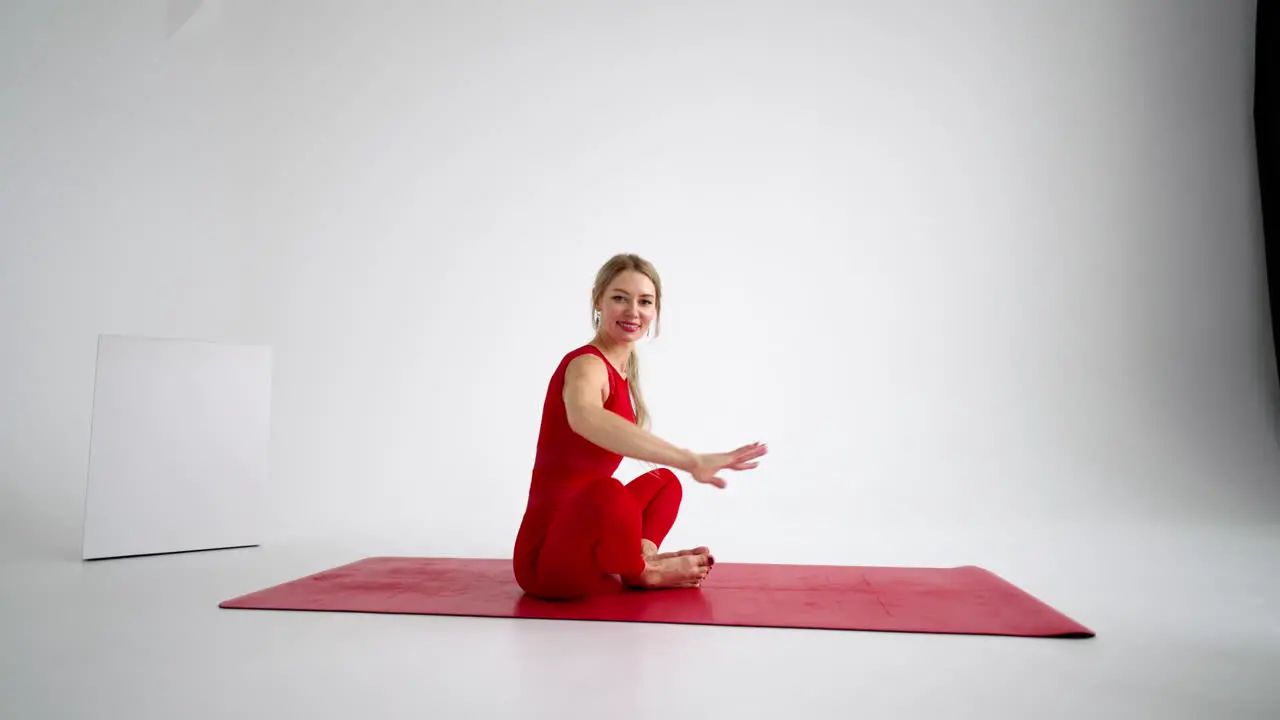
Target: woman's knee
pixel 670 484
pixel 666 474
pixel 659 485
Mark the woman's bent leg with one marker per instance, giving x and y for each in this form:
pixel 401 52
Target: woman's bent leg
pixel 657 494
pixel 594 536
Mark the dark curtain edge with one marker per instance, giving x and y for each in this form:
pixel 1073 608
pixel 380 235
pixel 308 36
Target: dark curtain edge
pixel 1264 121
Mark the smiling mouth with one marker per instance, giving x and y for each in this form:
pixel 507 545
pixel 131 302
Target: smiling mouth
pixel 629 327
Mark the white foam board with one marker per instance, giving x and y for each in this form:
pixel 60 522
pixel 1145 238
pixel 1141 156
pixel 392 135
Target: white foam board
pixel 179 446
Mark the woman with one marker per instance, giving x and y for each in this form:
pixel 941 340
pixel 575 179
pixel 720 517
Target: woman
pixel 583 531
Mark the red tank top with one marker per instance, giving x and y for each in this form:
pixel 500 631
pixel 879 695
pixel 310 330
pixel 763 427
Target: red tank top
pixel 565 460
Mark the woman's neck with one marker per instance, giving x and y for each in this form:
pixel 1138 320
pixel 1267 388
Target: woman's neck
pixel 618 353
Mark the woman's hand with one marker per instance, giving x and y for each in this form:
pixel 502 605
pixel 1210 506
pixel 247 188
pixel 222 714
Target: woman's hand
pixel 708 465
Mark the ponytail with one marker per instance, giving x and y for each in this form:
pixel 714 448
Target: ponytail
pixel 637 397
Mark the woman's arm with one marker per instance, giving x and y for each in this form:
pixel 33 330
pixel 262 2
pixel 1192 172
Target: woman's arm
pixel 586 381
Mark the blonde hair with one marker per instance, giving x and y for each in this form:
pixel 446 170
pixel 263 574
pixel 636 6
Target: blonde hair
pixel 611 269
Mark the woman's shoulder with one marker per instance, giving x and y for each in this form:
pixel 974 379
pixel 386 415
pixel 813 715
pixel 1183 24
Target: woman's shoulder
pixel 580 365
pixel 583 355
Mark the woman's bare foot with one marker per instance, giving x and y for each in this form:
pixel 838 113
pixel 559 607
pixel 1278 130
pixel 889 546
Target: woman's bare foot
pixel 700 550
pixel 649 550
pixel 683 569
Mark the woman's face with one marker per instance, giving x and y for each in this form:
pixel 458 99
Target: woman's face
pixel 628 307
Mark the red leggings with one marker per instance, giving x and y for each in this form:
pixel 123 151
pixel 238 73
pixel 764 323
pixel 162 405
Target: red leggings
pixel 596 535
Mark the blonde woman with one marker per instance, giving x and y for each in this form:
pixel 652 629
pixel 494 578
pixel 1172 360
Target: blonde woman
pixel 584 532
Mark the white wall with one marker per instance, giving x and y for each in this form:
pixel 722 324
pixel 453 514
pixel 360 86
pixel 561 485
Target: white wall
pixel 120 212
pixel 975 269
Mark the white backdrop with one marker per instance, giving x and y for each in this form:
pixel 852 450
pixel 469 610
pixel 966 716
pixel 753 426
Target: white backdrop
pixel 120 213
pixel 981 268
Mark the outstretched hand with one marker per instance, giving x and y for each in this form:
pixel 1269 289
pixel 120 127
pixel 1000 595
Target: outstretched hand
pixel 709 465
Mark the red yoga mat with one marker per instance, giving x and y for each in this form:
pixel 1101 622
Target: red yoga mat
pixel 958 600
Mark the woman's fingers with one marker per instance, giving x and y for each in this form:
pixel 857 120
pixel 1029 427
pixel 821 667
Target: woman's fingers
pixel 741 459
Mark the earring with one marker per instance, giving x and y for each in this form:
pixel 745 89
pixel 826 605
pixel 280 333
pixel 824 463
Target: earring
pixel 595 319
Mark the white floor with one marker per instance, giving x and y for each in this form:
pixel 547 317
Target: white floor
pixel 1188 623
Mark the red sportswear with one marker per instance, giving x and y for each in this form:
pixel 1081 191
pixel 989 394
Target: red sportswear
pixel 582 527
